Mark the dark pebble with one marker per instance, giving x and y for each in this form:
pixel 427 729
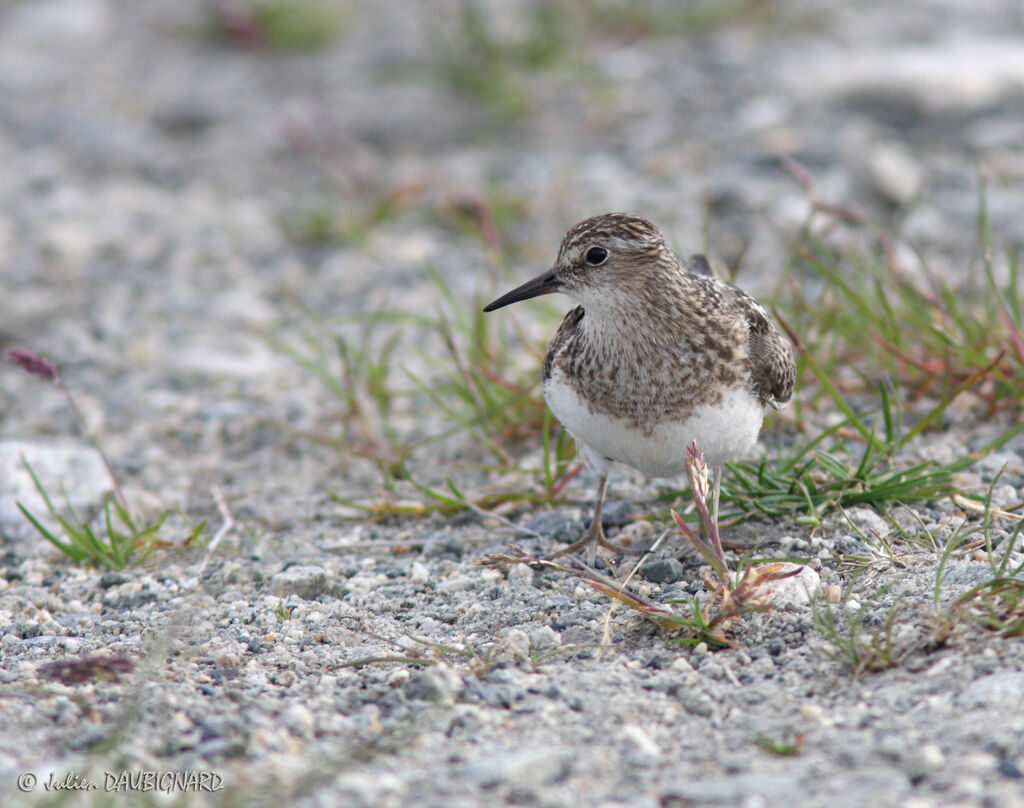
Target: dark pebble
pixel 1008 768
pixel 109 579
pixel 662 570
pixel 617 514
pixel 442 548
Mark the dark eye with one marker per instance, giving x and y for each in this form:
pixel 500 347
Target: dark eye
pixel 596 256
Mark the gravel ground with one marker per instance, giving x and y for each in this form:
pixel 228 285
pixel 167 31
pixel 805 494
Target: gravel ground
pixel 152 175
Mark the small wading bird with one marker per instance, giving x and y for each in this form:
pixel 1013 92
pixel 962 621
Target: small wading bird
pixel 657 354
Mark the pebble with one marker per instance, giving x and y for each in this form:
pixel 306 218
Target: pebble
pixel 438 684
pixel 1002 690
pixel 796 592
pixel 526 767
pixel 520 575
pixel 869 521
pixel 662 570
pixel 641 748
pixel 898 177
pixel 418 573
pixel 544 638
pixel 517 643
pixel 737 789
pixel 617 514
pixel 306 582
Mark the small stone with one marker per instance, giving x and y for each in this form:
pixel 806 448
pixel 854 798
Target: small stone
pixel 662 570
pixel 697 702
pixel 226 658
pixel 897 175
pixel 528 767
pixel 681 665
pixel 549 523
pixel 932 756
pixel 517 643
pixel 833 593
pixel 868 521
pixel 795 592
pixel 545 638
pixel 1002 690
pixel 700 649
pixel 520 575
pixel 437 685
pixel 617 514
pixel 418 574
pixel 305 581
pixel 398 678
pixel 811 711
pixel 642 751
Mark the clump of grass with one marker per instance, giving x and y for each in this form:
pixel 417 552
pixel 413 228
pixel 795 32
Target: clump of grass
pixel 858 466
pixel 495 68
pixel 630 20
pixel 863 314
pixel 359 372
pixel 117 543
pixel 995 604
pixel 864 650
pixel 479 387
pixel 122 538
pixel 296 26
pixel 282 611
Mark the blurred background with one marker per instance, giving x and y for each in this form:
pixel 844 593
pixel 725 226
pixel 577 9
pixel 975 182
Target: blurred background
pixel 210 210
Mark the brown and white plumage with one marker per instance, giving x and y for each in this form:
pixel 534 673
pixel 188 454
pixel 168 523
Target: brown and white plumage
pixel 657 353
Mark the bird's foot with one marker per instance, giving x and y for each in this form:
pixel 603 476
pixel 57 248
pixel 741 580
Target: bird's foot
pixel 589 542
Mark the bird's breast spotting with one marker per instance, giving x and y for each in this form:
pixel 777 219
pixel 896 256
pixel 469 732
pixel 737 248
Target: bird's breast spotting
pixel 724 430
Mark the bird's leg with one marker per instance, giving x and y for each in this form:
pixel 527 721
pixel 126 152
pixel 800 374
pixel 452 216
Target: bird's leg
pixel 594 536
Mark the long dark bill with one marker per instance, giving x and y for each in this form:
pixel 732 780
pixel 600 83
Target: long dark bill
pixel 543 284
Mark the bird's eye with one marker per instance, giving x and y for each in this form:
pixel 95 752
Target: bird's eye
pixel 596 256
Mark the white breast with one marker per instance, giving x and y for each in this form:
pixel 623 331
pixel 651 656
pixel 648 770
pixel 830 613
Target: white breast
pixel 723 432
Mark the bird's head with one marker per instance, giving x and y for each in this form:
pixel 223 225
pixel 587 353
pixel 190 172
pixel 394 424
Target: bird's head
pixel 599 259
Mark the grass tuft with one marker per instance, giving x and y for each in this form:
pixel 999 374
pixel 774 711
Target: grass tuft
pixel 122 538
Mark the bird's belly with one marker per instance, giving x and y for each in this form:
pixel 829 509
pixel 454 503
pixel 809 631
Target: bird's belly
pixel 723 431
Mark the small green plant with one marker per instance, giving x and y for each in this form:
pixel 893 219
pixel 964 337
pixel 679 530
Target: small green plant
pixel 790 744
pixel 122 538
pixel 119 542
pixel 486 65
pixel 283 25
pixel 808 480
pixel 282 612
pixel 844 629
pixel 866 315
pixel 997 603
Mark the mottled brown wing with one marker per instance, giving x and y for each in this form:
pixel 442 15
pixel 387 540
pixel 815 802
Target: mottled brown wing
pixel 570 323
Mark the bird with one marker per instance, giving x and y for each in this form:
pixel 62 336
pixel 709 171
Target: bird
pixel 657 353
